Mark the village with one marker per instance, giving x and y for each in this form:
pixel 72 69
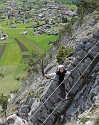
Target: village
pixel 29 25
pixel 43 18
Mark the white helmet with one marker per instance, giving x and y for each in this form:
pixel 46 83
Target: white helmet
pixel 60 66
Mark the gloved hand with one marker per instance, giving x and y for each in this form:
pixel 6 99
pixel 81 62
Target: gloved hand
pixel 72 70
pixel 68 72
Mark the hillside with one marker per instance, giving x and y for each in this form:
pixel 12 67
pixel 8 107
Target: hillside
pixel 32 104
pixel 25 29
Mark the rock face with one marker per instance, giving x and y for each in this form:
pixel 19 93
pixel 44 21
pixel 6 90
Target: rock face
pixel 84 92
pixel 96 34
pixel 40 102
pixel 15 120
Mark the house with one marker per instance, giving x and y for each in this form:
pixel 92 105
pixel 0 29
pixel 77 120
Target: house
pixel 69 12
pixel 24 33
pixel 3 17
pixel 49 33
pixel 2 11
pixel 47 26
pixel 23 0
pixel 52 5
pixel 44 9
pixel 14 26
pixel 3 36
pixel 41 15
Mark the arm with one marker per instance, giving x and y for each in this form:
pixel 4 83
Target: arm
pixel 68 72
pixel 50 75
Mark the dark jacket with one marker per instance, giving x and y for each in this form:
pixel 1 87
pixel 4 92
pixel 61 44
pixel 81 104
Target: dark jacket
pixel 61 75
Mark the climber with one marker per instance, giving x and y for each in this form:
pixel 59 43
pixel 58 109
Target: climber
pixel 61 74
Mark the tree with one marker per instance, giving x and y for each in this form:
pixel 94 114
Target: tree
pixel 34 62
pixel 42 67
pixel 3 102
pixel 38 23
pixel 46 21
pixel 86 6
pixel 64 19
pixel 66 30
pixel 63 52
pixel 60 54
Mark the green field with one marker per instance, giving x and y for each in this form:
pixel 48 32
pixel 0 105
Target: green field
pixel 13 69
pixel 70 6
pixel 2 6
pixel 12 58
pixel 11 55
pixel 8 83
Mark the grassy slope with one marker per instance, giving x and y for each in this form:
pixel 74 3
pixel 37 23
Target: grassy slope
pixel 42 40
pixel 11 55
pixel 11 60
pixel 8 82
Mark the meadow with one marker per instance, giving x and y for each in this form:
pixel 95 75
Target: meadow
pixel 8 83
pixel 17 46
pixel 71 6
pixel 12 58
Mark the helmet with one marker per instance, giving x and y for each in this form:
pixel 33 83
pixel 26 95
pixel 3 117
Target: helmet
pixel 60 66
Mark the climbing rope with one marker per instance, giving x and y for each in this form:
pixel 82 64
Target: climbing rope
pixel 72 87
pixel 63 81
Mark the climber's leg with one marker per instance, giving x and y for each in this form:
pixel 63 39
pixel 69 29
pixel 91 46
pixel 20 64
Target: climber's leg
pixel 62 91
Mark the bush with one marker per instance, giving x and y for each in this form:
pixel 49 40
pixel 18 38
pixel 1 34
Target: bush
pixel 63 53
pixel 97 121
pixel 14 91
pixel 4 101
pixel 67 30
pixel 37 94
pixel 87 6
pixel 18 78
pixel 84 120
